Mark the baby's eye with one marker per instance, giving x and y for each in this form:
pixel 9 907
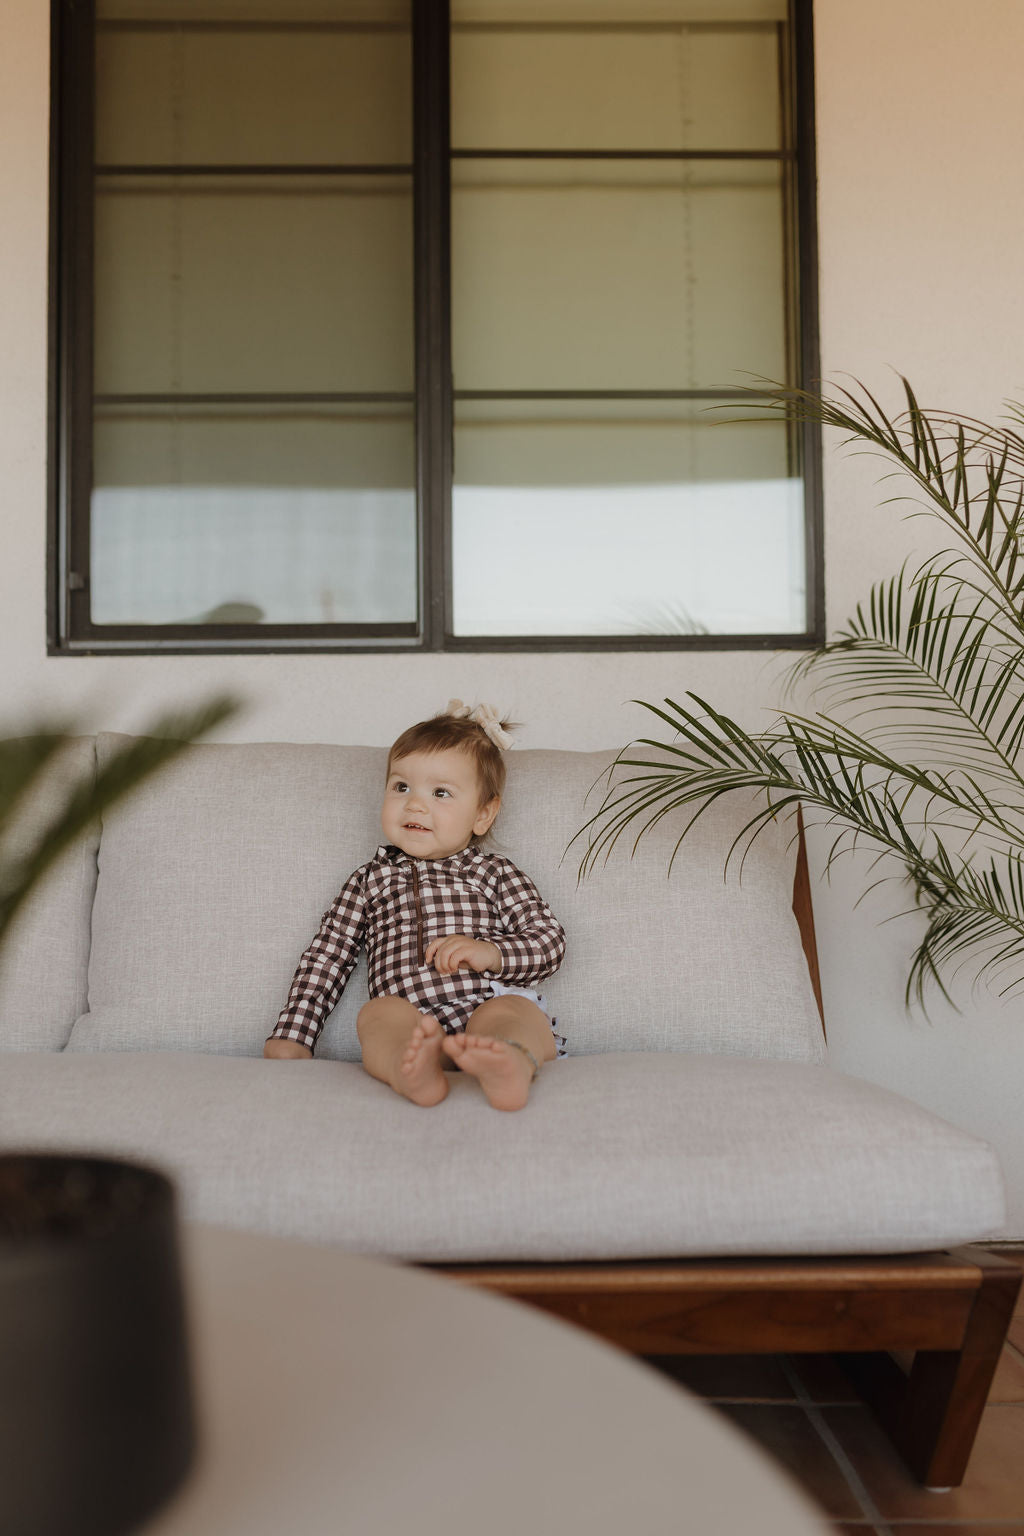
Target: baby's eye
pixel 443 794
pixel 399 786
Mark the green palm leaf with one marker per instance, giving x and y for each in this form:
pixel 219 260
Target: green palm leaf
pixel 24 762
pixel 929 674
pixel 975 915
pixel 967 473
pixel 913 746
pixel 801 761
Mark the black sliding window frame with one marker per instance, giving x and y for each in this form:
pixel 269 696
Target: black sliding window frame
pixel 70 630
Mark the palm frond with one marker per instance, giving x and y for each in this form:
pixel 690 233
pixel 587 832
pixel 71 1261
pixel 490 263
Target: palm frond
pixel 913 744
pixel 967 473
pixel 24 760
pixel 711 756
pixel 976 915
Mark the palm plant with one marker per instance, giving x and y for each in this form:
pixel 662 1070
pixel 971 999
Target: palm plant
pixel 910 742
pixel 28 777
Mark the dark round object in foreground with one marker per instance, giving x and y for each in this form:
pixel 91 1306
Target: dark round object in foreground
pixel 96 1421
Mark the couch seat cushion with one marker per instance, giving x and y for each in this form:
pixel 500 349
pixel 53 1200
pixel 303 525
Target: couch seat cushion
pixel 625 1155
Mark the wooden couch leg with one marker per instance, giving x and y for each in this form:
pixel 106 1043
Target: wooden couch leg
pixel 933 1413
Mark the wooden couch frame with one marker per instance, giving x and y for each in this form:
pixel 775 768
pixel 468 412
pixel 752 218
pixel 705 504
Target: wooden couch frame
pixel 950 1311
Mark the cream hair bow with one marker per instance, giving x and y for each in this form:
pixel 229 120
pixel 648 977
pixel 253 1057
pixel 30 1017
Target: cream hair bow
pixel 485 717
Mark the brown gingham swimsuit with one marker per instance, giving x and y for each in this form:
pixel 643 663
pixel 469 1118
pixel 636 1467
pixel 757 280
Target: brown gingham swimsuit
pixel 394 906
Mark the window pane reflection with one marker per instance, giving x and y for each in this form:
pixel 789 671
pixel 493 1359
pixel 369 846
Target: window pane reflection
pixel 666 77
pixel 624 519
pixel 252 517
pixel 617 275
pixel 261 283
pixel 214 86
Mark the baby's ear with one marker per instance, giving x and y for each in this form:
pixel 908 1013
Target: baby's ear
pixel 486 815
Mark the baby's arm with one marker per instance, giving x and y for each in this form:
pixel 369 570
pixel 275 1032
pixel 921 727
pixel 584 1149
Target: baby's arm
pixel 321 974
pixel 532 946
pixel 453 950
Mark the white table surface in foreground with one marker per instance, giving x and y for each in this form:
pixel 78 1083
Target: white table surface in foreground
pixel 339 1394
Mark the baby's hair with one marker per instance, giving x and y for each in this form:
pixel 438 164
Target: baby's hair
pixel 445 732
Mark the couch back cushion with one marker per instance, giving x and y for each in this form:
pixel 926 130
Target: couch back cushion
pixel 213 878
pixel 45 957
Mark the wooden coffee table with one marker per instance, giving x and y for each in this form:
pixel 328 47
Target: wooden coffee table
pixel 341 1394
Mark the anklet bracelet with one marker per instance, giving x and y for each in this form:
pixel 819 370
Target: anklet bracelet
pixel 536 1064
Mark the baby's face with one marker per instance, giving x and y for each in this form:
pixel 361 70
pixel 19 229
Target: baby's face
pixel 432 804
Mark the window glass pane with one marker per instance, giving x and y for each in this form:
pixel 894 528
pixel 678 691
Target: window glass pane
pixel 223 84
pixel 621 84
pixel 261 283
pixel 640 518
pixel 602 13
pixel 285 13
pixel 240 516
pixel 617 275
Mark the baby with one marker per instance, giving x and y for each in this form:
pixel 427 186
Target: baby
pixel 455 937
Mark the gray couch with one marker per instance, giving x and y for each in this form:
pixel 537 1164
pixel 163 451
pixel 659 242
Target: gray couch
pixel 696 1116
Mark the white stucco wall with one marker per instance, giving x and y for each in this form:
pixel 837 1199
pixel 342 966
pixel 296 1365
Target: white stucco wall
pixel 920 118
pixel 921 223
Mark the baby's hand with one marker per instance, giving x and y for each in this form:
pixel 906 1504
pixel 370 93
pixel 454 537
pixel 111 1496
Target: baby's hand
pixel 276 1048
pixel 457 950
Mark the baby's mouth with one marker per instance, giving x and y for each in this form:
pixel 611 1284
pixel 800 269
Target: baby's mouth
pixel 415 826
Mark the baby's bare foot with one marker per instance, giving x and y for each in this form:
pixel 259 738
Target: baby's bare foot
pixel 503 1071
pixel 420 1072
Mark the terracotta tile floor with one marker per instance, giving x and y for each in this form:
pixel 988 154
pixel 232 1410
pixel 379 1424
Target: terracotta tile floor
pixel 802 1411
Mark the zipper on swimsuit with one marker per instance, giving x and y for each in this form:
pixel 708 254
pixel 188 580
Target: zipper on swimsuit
pixel 419 914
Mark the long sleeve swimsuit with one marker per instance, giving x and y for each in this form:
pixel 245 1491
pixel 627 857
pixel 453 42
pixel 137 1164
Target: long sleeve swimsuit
pixel 394 906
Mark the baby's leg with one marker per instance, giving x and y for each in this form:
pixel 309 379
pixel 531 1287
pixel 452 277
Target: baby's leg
pixel 494 1048
pixel 402 1047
